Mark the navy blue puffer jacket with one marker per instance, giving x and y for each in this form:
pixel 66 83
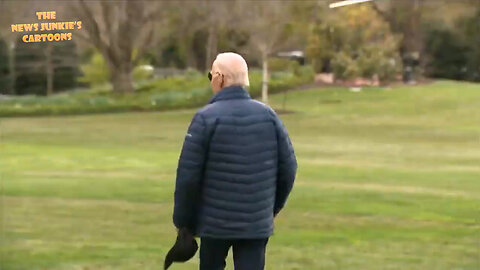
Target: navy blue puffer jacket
pixel 236 168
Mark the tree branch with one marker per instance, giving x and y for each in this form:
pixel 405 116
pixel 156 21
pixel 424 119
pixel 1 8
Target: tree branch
pixel 94 33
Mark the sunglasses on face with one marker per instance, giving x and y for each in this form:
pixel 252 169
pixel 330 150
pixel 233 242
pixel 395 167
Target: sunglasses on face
pixel 210 75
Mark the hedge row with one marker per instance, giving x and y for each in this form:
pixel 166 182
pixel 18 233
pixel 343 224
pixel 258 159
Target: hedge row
pixel 188 91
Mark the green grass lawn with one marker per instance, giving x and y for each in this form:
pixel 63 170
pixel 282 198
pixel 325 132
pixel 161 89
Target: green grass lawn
pixel 387 179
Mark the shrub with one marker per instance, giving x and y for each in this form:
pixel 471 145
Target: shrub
pixel 344 66
pixel 355 43
pixel 95 72
pixel 280 81
pixel 189 90
pixel 470 28
pixel 142 73
pixel 282 64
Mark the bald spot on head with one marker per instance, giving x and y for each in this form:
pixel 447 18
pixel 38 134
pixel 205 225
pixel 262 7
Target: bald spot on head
pixel 233 67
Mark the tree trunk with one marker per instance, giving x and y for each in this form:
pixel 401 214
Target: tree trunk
pixel 265 78
pixel 211 45
pixel 11 67
pixel 49 68
pixel 121 80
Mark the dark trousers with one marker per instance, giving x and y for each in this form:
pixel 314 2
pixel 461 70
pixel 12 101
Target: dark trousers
pixel 248 254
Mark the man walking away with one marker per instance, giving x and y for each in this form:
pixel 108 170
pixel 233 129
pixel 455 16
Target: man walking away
pixel 235 171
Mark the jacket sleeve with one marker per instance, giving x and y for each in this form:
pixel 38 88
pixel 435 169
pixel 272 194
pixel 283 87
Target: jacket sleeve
pixel 287 166
pixel 189 174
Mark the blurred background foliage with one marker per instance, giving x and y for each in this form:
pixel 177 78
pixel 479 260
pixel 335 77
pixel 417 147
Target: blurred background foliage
pixel 172 47
pixel 454 52
pixel 188 90
pixel 355 43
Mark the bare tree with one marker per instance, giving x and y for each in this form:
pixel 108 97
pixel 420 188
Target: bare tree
pixel 265 21
pixel 122 31
pixel 49 67
pixel 212 41
pixel 210 16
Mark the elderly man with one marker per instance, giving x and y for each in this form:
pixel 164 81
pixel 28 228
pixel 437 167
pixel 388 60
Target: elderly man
pixel 235 172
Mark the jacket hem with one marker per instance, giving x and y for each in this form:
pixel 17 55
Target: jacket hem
pixel 235 236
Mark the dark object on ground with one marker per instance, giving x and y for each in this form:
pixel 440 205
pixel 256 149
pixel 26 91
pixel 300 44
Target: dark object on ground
pixel 183 250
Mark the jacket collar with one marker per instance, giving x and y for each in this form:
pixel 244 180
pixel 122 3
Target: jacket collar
pixel 230 92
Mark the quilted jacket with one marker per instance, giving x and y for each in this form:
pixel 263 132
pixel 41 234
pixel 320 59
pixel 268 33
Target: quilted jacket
pixel 236 169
